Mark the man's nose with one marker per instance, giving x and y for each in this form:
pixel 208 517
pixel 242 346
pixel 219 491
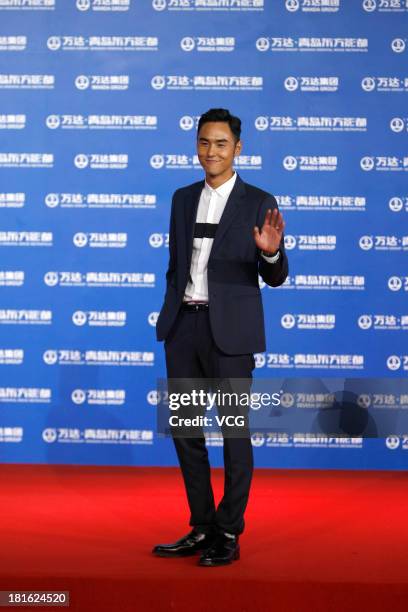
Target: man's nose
pixel 210 150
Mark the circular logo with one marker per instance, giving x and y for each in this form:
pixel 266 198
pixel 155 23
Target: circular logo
pixel 366 243
pixel 260 360
pixel 157 161
pixel 54 43
pixel 262 44
pixel 152 318
pixel 187 43
pixel 261 123
pixel 50 357
pixel 153 397
pixel 287 400
pixel 364 400
pixel 186 123
pixel 288 321
pixel 397 124
pixel 156 240
pixel 290 162
pixel 51 279
pixel 369 5
pixel 368 84
pixel 396 204
pixel 82 82
pixel 53 122
pixel 258 439
pixel 158 82
pixel 52 200
pixel 292 5
pixel 392 442
pixel 81 161
pixel 291 83
pixel 78 396
pixel 393 363
pixel 365 321
pixel 79 317
pixel 398 45
pixel 367 163
pixel 394 283
pixel 159 5
pixel 49 435
pixel 80 239
pixel 290 242
pixel 83 5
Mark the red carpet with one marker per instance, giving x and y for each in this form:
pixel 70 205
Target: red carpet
pixel 315 541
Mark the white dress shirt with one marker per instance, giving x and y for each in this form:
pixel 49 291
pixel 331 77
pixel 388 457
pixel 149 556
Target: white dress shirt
pixel 210 208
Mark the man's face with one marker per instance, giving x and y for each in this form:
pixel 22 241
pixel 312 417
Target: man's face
pixel 216 148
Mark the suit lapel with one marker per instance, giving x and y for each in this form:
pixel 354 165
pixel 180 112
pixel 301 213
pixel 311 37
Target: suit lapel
pixel 191 214
pixel 230 210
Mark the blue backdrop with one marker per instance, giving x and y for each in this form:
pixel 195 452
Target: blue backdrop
pixel 99 103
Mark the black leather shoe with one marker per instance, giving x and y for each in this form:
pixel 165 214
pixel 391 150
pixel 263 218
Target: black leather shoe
pixel 186 546
pixel 223 551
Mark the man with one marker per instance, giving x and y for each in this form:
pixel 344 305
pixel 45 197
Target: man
pixel 223 233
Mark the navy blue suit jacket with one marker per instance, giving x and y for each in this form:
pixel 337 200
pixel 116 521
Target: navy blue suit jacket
pixel 236 311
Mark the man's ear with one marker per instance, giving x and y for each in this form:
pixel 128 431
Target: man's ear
pixel 238 147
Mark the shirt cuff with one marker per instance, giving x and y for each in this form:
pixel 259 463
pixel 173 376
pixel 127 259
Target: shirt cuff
pixel 273 259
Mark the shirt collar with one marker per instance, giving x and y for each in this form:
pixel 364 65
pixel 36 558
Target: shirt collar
pixel 223 190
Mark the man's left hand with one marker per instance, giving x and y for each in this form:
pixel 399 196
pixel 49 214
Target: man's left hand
pixel 269 237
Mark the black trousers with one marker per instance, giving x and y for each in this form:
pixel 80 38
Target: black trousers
pixel 191 353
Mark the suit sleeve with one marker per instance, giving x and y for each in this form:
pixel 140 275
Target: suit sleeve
pixel 274 274
pixel 171 269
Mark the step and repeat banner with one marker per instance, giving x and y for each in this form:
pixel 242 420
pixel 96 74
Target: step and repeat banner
pixel 99 102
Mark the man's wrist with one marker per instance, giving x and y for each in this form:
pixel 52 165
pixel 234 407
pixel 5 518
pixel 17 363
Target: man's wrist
pixel 271 257
pixel 268 254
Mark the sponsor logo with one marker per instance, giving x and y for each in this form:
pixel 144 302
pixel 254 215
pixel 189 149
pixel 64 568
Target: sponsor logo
pixel 29 395
pixel 207 82
pixel 100 279
pixel 308 321
pixel 396 204
pixel 98 357
pixel 398 124
pixel 384 163
pixel 383 243
pixel 102 397
pixel 321 202
pixel 99 318
pixel 13 43
pixel 311 242
pixel 26 160
pixel 11 278
pixel 11 356
pixel 69 435
pixel 314 361
pixel 101 161
pixel 102 43
pixel 208 5
pixel 26 238
pixel 99 200
pixel 208 43
pixel 311 44
pixel 398 45
pixel 383 322
pixel 100 239
pixel 102 122
pixel 102 82
pixel 313 6
pixel 327 282
pixel 311 124
pixel 25 317
pixel 103 5
pixel 384 6
pixel 27 5
pixel 310 162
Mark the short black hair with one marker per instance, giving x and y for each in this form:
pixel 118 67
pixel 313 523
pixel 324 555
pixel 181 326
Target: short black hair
pixel 222 115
